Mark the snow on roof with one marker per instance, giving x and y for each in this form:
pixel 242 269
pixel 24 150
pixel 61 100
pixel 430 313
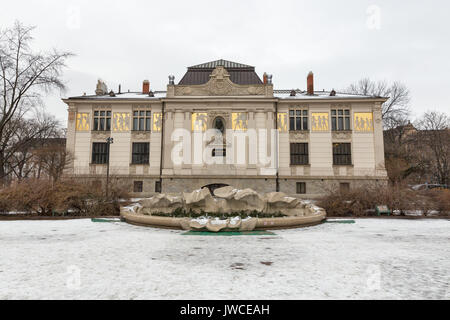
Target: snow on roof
pixel 286 94
pixel 124 95
pixel 280 94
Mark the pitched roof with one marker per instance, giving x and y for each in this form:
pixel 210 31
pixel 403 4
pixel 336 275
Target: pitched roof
pixel 239 73
pixel 224 63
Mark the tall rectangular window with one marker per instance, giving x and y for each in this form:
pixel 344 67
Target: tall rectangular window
pixel 158 186
pixel 142 120
pixel 342 154
pixel 344 187
pixel 299 153
pixel 140 153
pixel 99 153
pixel 301 187
pixel 298 120
pixel 102 120
pixel 340 119
pixel 138 186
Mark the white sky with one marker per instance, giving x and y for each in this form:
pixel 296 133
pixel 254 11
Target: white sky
pixel 340 41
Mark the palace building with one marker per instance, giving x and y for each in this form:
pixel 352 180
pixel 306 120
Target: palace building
pixel 224 125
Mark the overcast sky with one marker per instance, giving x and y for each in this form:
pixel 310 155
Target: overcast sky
pixel 340 41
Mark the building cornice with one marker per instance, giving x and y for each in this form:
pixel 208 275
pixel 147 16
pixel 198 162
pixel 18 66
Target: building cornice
pixel 222 99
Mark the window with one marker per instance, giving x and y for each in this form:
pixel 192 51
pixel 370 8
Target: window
pixel 102 120
pixel 142 120
pixel 299 153
pixel 340 119
pixel 298 120
pixel 99 153
pixel 301 187
pixel 138 186
pixel 344 187
pixel 141 152
pixel 342 154
pixel 158 186
pixel 219 152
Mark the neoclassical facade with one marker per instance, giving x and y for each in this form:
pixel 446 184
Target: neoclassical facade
pixel 223 125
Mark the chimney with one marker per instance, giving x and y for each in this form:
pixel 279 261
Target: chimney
pixel 146 87
pixel 265 78
pixel 310 83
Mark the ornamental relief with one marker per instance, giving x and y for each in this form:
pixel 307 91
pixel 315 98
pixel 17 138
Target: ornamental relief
pixel 140 135
pixel 240 121
pixel 219 85
pixel 121 121
pixel 319 121
pixel 298 135
pixel 199 121
pixel 157 122
pixel 100 135
pixel 82 122
pixel 282 122
pixel 340 106
pixel 342 135
pixel 363 122
pixel 214 114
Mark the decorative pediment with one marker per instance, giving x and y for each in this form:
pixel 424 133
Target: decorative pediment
pixel 220 84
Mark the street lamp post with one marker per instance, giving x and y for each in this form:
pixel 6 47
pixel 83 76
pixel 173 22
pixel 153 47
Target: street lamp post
pixel 109 141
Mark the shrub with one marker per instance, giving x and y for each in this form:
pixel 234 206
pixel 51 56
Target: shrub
pixel 34 196
pixel 441 199
pixel 362 201
pixel 66 197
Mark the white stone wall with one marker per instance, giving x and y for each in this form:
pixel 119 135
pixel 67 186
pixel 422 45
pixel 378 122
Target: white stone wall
pixel 367 147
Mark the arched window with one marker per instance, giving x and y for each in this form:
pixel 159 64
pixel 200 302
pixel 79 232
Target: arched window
pixel 219 124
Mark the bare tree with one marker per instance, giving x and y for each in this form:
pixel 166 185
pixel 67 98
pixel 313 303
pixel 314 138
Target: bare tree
pixel 396 110
pixel 21 137
pixel 24 75
pixel 51 159
pixel 434 140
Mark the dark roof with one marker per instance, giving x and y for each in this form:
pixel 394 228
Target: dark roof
pixel 239 73
pixel 224 63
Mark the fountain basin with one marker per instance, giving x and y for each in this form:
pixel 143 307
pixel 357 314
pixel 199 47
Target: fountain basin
pixel 273 210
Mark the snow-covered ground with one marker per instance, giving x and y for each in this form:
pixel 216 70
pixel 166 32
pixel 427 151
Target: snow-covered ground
pixel 79 259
